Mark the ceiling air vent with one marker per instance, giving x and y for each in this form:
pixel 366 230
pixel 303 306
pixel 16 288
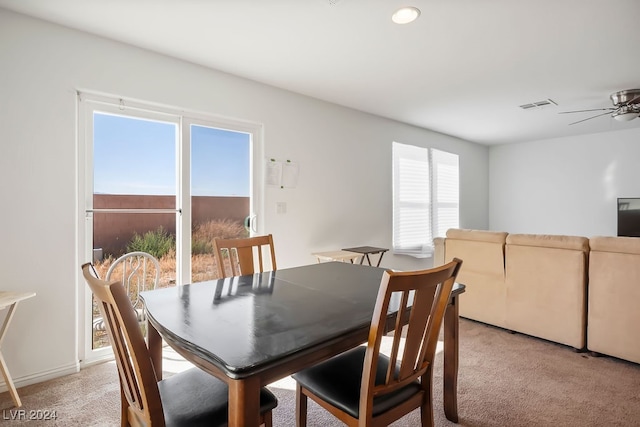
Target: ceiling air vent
pixel 539 104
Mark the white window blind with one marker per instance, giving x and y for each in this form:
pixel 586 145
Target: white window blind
pixel 446 183
pixel 425 197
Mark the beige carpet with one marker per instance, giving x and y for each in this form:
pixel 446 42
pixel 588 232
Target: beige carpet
pixel 505 380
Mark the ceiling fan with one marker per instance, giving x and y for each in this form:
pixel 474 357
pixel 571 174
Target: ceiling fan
pixel 626 107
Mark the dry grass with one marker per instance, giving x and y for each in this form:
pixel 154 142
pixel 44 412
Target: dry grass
pixel 223 229
pixel 203 267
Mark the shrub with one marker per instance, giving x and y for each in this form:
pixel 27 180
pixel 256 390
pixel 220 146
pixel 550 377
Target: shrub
pixel 203 234
pixel 156 242
pixel 200 247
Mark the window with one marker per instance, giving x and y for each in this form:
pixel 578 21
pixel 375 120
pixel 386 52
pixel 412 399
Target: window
pixel 425 197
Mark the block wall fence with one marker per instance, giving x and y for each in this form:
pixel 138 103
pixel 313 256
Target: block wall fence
pixel 112 231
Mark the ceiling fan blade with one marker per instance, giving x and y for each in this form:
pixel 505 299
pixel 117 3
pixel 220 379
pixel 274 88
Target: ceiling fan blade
pixel 585 111
pixel 589 118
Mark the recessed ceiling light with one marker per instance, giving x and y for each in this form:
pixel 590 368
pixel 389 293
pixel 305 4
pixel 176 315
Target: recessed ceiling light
pixel 404 15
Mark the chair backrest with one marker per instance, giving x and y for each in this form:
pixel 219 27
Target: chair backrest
pixel 423 296
pixel 138 272
pixel 241 255
pixel 138 380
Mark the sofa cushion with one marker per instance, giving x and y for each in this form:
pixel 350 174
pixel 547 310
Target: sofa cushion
pixel 546 279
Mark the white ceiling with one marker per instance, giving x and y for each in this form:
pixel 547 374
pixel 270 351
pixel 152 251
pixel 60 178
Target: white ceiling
pixel 463 68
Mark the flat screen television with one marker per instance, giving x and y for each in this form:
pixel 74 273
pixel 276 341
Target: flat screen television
pixel 629 217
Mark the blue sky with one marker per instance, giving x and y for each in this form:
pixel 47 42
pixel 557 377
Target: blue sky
pixel 135 156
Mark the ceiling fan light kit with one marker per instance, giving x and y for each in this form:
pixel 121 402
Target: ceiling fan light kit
pixel 625 116
pixel 629 104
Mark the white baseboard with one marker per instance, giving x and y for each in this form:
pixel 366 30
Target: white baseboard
pixel 107 357
pixel 42 376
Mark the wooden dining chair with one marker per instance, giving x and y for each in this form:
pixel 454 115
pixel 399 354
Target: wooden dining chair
pixel 242 255
pixel 363 387
pixel 190 398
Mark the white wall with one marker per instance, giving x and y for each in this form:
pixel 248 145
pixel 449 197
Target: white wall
pixel 343 197
pixel 565 185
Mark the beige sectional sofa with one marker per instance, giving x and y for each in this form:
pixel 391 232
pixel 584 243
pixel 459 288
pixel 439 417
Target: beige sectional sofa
pixel 576 291
pixel 614 297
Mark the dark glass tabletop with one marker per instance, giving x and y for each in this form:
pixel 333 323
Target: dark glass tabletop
pixel 243 323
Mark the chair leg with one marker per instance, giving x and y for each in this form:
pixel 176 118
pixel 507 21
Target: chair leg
pixel 426 414
pixel 301 407
pixel 426 410
pixel 267 418
pixel 124 408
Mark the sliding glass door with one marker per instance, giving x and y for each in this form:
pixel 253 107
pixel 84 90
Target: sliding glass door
pixel 162 182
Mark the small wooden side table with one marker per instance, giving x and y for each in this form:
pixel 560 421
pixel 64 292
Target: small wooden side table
pixel 10 300
pixel 337 256
pixel 368 250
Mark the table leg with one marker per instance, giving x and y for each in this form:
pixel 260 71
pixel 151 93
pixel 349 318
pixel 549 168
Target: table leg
pixel 451 331
pixel 3 365
pixel 244 402
pixel 9 382
pixel 380 259
pixel 154 342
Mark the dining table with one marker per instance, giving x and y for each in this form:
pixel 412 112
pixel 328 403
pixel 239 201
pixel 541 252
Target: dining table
pixel 252 330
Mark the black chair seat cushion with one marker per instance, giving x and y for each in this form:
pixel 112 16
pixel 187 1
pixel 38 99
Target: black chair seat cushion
pixel 337 381
pixel 194 398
